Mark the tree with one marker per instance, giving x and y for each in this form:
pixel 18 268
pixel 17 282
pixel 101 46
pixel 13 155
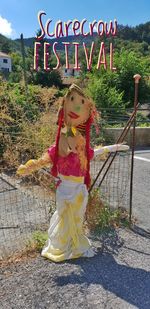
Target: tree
pixel 128 64
pixel 41 77
pixel 47 79
pixel 105 94
pixel 6 47
pixel 16 75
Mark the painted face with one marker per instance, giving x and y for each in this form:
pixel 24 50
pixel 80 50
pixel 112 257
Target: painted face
pixel 76 109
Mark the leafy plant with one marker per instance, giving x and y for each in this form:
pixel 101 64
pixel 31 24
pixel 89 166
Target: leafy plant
pixel 100 216
pixel 39 239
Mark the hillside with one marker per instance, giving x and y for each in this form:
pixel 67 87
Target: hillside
pixel 136 35
pixel 8 45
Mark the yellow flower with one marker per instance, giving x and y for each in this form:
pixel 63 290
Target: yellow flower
pixel 74 130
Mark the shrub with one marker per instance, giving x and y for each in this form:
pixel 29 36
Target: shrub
pixel 28 124
pixel 100 216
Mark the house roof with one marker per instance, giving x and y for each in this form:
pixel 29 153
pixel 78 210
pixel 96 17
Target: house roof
pixel 4 55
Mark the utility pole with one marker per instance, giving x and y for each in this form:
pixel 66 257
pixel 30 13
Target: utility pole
pixel 24 64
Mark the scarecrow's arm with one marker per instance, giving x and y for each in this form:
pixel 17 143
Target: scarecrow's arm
pixel 34 165
pixel 110 148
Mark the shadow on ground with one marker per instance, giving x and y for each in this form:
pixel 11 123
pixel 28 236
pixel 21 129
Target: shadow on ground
pixel 116 277
pixel 128 283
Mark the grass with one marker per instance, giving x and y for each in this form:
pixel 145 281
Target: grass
pixel 39 239
pixel 101 217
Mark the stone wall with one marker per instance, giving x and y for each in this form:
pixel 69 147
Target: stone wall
pixel 142 135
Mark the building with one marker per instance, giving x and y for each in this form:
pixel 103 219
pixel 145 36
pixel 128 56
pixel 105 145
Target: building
pixel 71 72
pixel 5 62
pixel 70 75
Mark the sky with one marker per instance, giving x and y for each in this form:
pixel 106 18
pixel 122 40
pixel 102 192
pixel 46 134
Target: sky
pixel 20 16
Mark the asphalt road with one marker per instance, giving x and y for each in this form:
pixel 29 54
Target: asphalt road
pixel 117 277
pixel 141 188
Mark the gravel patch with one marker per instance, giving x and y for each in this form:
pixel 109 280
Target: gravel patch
pixel 117 277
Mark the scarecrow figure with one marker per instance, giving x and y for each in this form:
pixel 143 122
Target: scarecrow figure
pixel 70 158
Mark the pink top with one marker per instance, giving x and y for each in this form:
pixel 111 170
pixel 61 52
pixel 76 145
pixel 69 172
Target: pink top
pixel 69 165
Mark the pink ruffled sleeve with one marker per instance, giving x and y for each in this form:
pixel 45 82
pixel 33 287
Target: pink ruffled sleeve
pixel 51 152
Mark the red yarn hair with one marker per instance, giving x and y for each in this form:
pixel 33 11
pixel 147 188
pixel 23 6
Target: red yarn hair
pixel 87 180
pixel 54 171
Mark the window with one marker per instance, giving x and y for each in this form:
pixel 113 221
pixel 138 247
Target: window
pixel 4 69
pixel 5 60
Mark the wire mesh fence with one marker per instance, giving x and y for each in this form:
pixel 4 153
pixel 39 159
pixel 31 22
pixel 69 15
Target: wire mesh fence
pixel 115 188
pixel 27 204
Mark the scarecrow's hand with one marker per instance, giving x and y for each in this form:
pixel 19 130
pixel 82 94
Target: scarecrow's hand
pixel 25 169
pixel 110 148
pixel 33 165
pixel 118 147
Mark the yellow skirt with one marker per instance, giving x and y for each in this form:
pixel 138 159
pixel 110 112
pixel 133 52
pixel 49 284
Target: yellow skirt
pixel 66 237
